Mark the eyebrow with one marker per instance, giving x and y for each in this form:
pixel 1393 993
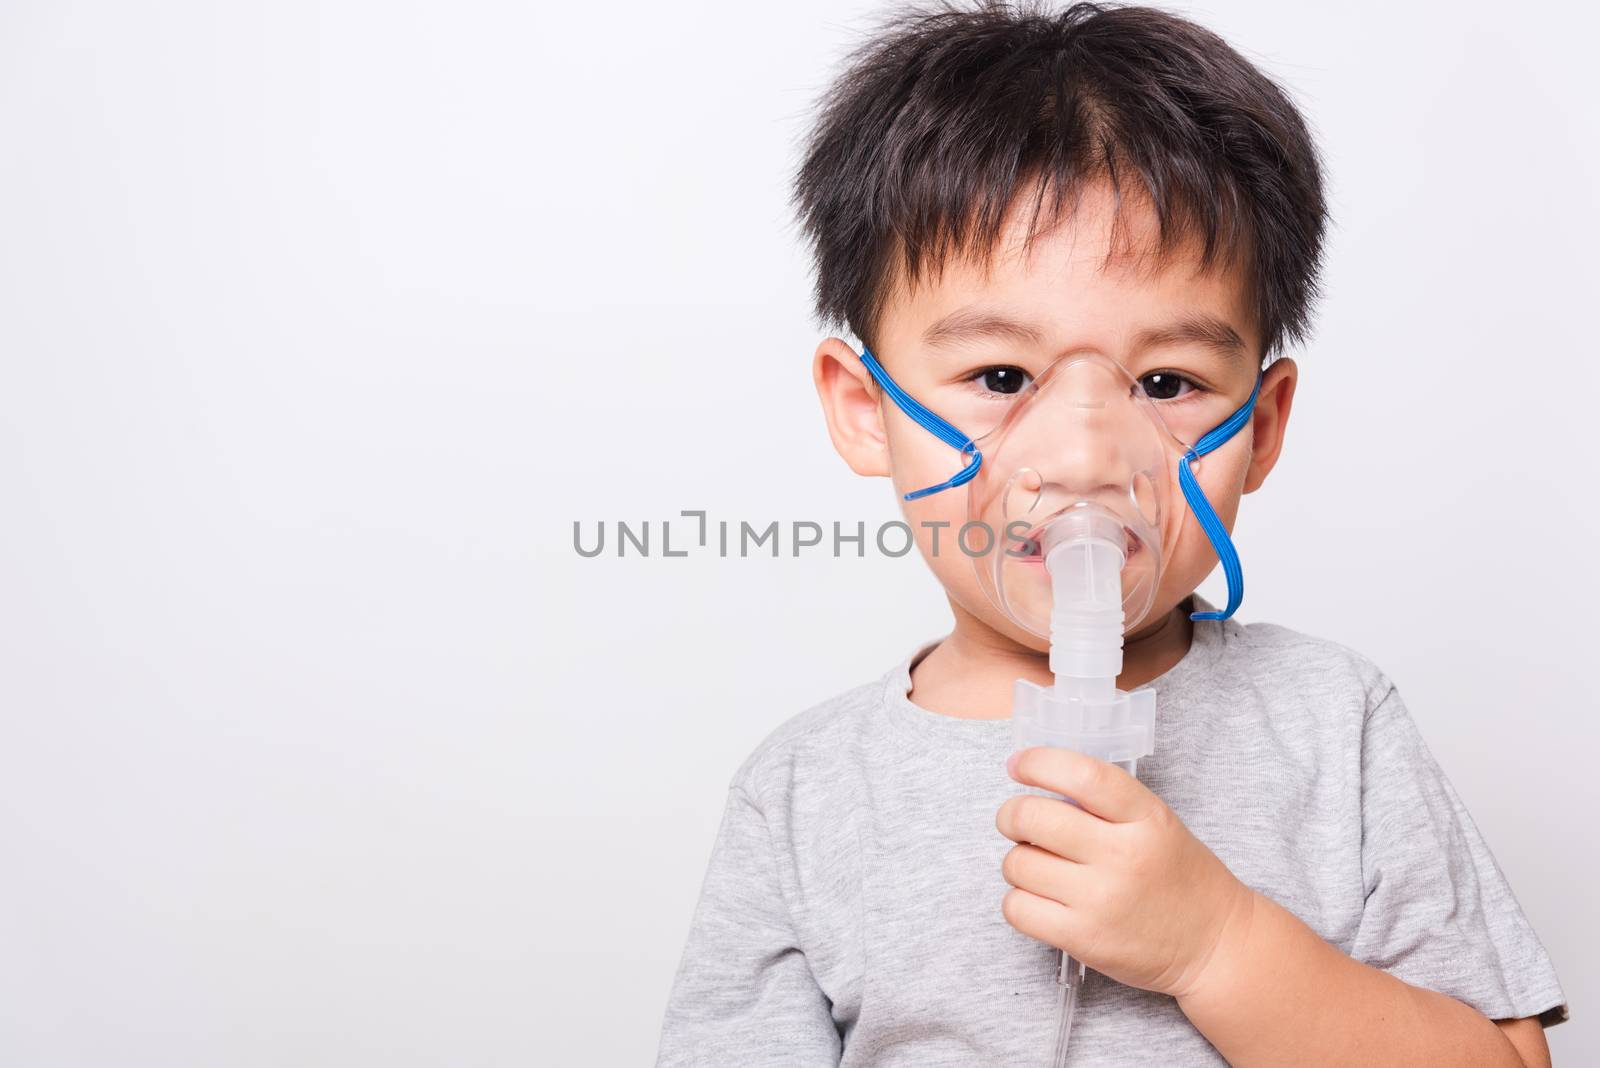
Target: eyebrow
pixel 1197 329
pixel 966 324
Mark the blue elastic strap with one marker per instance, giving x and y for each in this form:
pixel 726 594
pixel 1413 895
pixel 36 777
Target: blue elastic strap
pixel 1207 515
pixel 930 422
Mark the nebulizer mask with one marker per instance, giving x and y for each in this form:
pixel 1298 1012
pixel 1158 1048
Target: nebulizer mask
pixel 1076 476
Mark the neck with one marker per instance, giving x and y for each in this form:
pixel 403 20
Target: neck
pixel 970 674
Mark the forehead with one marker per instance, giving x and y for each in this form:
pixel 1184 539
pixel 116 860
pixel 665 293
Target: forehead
pixel 1096 275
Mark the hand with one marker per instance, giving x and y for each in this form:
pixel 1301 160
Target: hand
pixel 1119 883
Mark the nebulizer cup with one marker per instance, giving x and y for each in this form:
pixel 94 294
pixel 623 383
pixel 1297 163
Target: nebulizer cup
pixel 1085 550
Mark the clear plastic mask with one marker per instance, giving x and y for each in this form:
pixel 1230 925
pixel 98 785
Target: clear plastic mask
pixel 1085 435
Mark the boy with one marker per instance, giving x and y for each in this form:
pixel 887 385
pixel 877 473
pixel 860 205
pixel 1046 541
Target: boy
pixel 1290 880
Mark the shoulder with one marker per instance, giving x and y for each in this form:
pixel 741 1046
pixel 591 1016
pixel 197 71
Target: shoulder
pixel 1277 655
pixel 812 746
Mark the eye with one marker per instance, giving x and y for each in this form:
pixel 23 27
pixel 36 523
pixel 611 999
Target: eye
pixel 1166 385
pixel 1002 380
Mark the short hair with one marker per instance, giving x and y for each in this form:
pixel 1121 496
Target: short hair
pixel 941 118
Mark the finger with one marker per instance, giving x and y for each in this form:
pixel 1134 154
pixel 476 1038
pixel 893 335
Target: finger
pixel 1038 871
pixel 1051 823
pixel 1044 919
pixel 1101 788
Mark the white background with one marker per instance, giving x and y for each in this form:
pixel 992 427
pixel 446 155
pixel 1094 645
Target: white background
pixel 320 326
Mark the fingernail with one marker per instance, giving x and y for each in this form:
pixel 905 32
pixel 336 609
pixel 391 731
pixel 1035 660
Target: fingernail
pixel 1011 763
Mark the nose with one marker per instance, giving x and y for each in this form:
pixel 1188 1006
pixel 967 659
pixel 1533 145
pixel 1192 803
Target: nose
pixel 1083 435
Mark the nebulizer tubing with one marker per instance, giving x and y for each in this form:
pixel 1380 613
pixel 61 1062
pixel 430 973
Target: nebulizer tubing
pixel 1084 550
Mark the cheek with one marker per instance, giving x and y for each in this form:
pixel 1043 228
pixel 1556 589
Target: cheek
pixel 916 457
pixel 936 522
pixel 1189 555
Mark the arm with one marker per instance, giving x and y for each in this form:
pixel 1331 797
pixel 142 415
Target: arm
pixel 744 993
pixel 1122 885
pixel 1273 992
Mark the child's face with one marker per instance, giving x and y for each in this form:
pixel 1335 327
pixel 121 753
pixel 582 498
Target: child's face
pixel 1068 291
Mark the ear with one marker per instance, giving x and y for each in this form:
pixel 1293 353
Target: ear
pixel 1268 420
pixel 850 405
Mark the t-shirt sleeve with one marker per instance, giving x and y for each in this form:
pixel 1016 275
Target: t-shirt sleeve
pixel 1439 913
pixel 744 992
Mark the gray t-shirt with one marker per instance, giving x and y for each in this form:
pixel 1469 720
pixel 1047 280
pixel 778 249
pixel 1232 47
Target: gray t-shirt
pixel 851 911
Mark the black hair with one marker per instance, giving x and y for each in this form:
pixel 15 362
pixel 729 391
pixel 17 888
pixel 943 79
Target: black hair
pixel 945 114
